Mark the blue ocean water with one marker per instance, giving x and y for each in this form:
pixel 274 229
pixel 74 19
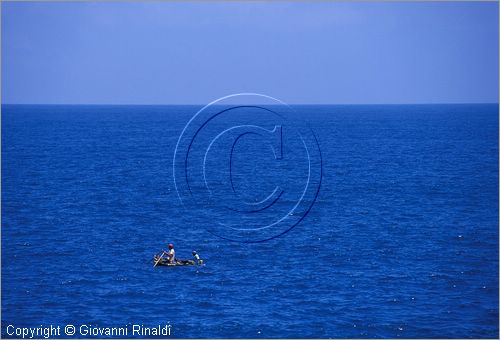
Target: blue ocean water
pixel 401 242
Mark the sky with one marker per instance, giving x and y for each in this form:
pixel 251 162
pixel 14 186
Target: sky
pixel 298 52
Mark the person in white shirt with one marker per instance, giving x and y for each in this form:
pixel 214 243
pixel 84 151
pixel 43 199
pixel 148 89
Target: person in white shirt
pixel 197 257
pixel 170 253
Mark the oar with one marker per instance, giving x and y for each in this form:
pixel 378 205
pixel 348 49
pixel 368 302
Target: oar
pixel 158 261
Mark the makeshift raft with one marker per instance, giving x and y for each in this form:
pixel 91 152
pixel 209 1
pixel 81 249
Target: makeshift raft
pixel 166 263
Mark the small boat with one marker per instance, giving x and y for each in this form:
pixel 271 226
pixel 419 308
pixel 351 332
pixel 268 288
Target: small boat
pixel 164 262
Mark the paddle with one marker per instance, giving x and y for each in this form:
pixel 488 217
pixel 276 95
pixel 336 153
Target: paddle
pixel 159 259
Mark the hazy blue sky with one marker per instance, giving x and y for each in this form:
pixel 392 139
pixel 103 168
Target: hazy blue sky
pixel 192 53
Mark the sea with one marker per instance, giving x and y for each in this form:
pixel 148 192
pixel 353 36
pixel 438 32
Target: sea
pixel 400 238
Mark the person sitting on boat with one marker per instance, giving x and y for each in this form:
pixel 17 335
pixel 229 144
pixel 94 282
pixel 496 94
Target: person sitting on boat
pixel 170 253
pixel 197 257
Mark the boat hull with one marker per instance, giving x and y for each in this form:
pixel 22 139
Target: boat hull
pixel 178 263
